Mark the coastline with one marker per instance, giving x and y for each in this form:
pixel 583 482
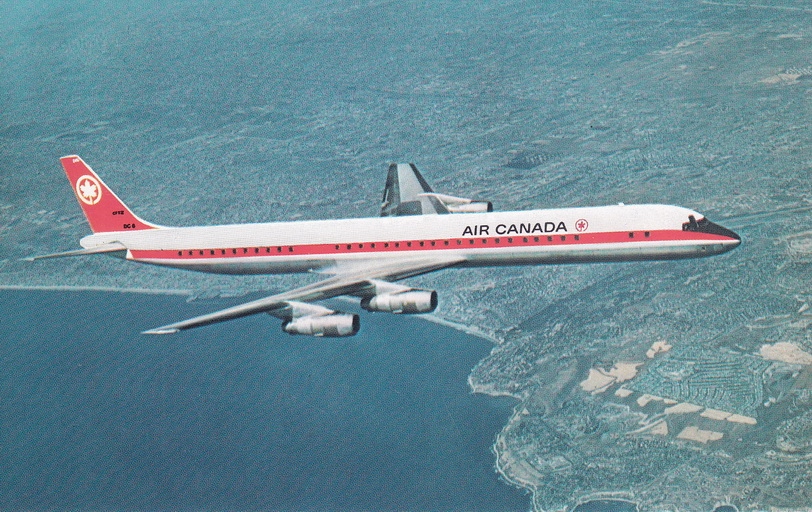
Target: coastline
pixel 618 496
pixel 503 474
pixel 467 329
pixel 479 389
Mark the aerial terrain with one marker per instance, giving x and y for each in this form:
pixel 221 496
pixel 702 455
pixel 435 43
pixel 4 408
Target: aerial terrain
pixel 683 385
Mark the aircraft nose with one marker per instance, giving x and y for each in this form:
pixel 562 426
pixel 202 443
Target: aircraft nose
pixel 734 240
pixel 703 225
pixel 716 229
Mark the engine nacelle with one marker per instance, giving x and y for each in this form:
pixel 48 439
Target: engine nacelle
pixel 472 207
pixel 335 325
pixel 415 301
pixel 461 204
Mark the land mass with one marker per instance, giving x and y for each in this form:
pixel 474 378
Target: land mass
pixel 295 114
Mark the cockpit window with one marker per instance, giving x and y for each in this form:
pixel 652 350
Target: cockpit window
pixel 693 224
pixel 703 225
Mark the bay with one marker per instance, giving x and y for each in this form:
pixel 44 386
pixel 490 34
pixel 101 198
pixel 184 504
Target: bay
pixel 238 415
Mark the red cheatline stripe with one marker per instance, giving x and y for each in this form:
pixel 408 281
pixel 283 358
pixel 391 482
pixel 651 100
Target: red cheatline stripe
pixel 546 240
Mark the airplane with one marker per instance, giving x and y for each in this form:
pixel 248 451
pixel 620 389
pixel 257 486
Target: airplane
pixel 419 231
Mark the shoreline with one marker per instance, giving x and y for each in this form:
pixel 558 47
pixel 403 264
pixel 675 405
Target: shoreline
pixel 467 329
pixel 501 472
pixel 619 496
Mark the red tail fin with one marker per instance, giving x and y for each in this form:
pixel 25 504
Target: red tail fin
pixel 103 209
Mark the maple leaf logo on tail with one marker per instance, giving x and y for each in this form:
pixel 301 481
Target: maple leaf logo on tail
pixel 104 211
pixel 88 190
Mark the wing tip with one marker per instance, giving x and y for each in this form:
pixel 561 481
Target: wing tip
pixel 161 330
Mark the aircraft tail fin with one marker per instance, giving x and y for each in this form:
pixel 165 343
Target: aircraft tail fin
pixel 104 211
pixel 407 193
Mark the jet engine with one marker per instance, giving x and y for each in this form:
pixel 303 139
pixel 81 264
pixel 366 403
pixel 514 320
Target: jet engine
pixel 472 207
pixel 460 204
pixel 414 301
pixel 330 326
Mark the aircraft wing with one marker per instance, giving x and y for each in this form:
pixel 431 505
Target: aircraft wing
pixel 352 281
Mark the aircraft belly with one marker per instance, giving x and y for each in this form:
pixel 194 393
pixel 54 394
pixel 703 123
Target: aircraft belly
pixel 603 253
pixel 243 266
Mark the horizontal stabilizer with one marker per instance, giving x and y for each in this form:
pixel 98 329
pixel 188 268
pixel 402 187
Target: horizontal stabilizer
pixel 101 249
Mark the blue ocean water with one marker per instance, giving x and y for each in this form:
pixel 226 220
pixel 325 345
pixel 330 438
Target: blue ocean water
pixel 237 416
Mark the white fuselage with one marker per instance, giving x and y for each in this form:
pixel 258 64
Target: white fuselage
pixel 571 235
